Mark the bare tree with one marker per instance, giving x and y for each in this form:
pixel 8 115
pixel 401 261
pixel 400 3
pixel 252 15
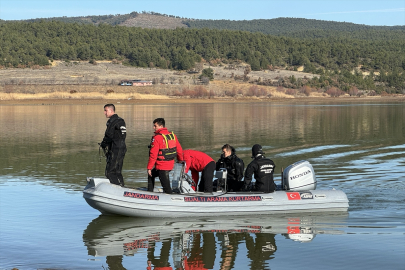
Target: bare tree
pixel 205 80
pixel 199 66
pixel 248 69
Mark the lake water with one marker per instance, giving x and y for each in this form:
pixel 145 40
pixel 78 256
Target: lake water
pixel 48 151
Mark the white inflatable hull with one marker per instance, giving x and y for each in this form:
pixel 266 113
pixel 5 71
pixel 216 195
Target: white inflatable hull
pixel 112 199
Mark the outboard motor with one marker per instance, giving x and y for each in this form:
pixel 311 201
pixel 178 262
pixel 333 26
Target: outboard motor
pixel 299 176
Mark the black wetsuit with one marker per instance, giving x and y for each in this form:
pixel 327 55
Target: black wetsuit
pixel 234 167
pixel 263 169
pixel 114 144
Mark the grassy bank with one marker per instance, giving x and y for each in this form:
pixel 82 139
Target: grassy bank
pixel 83 81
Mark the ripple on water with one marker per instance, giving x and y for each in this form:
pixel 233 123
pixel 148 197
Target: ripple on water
pixel 310 150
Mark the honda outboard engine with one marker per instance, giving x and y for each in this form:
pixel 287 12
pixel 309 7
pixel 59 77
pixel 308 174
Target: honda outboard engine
pixel 299 176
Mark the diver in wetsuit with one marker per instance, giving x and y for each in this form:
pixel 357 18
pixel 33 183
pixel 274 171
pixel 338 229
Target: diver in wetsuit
pixel 113 145
pixel 234 166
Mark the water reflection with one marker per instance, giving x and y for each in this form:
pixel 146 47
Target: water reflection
pixel 202 244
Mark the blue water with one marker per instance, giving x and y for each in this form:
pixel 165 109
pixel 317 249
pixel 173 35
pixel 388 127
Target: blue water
pixel 358 148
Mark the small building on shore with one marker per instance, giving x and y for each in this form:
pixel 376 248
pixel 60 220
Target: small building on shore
pixel 135 83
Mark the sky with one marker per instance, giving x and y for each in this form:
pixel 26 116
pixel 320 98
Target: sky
pixel 368 12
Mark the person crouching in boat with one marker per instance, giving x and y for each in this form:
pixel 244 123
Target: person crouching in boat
pixel 196 162
pixel 234 166
pixel 164 148
pixel 263 169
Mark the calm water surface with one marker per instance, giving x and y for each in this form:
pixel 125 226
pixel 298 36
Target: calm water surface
pixel 48 151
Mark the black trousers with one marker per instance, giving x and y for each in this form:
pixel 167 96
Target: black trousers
pixel 164 180
pixel 233 185
pixel 207 176
pixel 113 168
pixel 163 259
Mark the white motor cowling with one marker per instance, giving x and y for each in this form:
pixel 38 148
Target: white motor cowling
pixel 299 176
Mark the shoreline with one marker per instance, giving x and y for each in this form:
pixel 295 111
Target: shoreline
pixel 170 100
pixel 84 83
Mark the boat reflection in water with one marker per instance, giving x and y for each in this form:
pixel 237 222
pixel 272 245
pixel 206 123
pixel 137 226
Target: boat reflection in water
pixel 193 244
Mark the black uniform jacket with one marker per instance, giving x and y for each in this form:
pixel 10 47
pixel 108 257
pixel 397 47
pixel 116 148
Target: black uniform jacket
pixel 263 169
pixel 233 165
pixel 115 134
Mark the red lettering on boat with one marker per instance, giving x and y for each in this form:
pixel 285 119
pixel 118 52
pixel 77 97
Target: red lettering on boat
pixel 141 196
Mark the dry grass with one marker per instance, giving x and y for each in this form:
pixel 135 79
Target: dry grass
pixel 82 80
pixel 107 73
pixel 87 95
pixel 153 21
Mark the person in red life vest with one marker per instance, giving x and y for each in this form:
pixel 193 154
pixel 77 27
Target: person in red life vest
pixel 196 162
pixel 164 148
pixel 201 258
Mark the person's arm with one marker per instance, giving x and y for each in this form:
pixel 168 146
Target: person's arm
pixel 108 135
pixel 248 175
pixel 195 176
pixel 219 164
pixel 239 167
pixel 179 150
pixel 187 160
pixel 153 152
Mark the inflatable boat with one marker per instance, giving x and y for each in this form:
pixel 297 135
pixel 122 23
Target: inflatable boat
pixel 297 193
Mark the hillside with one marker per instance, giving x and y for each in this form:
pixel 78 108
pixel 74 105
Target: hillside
pixel 344 55
pixel 133 19
pixel 289 27
pixel 303 28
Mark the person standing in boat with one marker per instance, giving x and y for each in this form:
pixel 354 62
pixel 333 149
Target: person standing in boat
pixel 164 148
pixel 113 145
pixel 263 169
pixel 197 162
pixel 234 167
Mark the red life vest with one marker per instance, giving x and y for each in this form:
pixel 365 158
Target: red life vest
pixel 170 151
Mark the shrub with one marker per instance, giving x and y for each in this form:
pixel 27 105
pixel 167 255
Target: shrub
pixel 200 91
pixel 177 93
pixel 186 92
pixel 231 93
pixel 306 90
pixel 353 91
pixel 8 89
pixel 208 72
pixel 254 90
pixel 372 93
pixel 291 92
pixel 383 93
pixel 205 80
pixel 334 92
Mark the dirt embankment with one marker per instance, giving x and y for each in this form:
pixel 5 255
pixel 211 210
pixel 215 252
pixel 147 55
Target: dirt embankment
pixel 80 81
